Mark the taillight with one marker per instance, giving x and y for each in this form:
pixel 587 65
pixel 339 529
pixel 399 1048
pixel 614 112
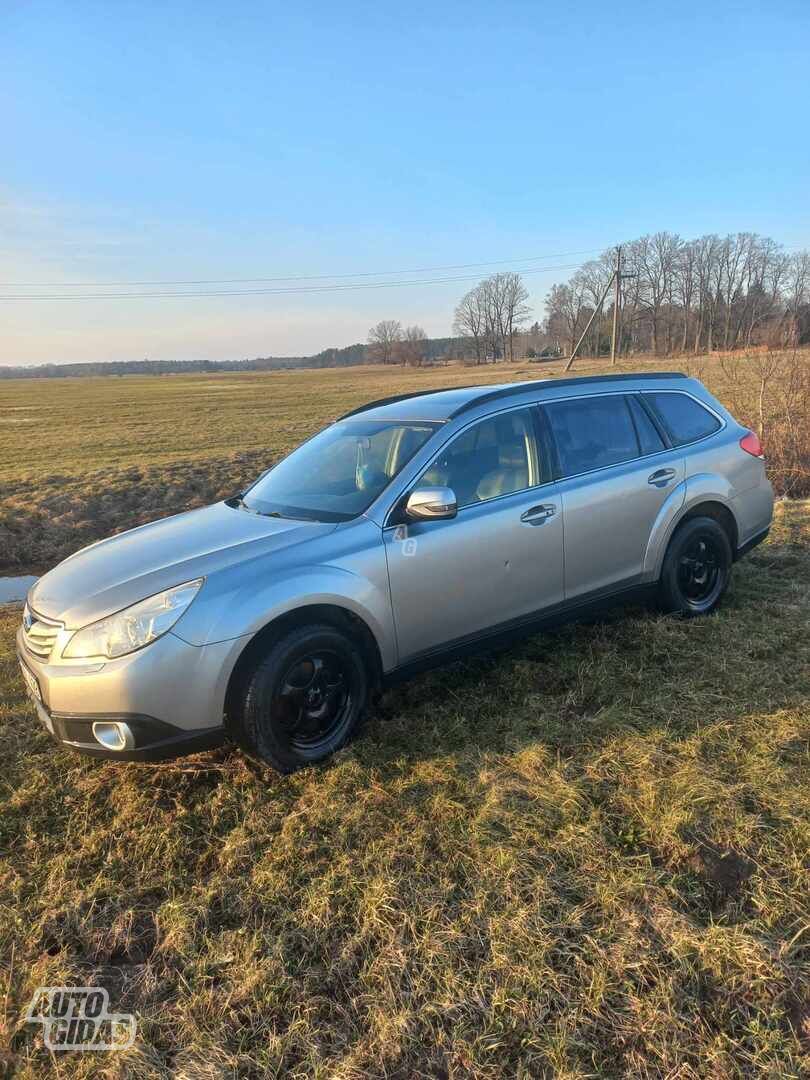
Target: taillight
pixel 751 445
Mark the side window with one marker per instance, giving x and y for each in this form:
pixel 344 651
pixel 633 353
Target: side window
pixel 591 433
pixel 648 438
pixel 494 457
pixel 683 416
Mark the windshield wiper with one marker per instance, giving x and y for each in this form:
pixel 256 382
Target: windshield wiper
pixel 237 502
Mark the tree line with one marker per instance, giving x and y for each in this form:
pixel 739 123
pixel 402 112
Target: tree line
pixel 389 343
pixel 715 292
pixel 487 321
pixel 677 296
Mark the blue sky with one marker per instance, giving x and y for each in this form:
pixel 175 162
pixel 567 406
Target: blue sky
pixel 159 141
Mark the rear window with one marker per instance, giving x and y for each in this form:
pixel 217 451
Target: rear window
pixel 591 433
pixel 685 419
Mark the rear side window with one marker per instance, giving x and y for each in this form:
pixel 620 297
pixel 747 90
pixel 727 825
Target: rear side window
pixel 591 433
pixel 649 439
pixel 685 419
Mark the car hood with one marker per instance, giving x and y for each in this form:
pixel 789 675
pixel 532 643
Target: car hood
pixel 114 573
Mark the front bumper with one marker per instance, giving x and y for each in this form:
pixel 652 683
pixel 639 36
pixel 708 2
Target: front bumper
pixel 170 695
pixel 154 740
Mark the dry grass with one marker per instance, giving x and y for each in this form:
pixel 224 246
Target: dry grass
pixel 587 857
pixel 81 458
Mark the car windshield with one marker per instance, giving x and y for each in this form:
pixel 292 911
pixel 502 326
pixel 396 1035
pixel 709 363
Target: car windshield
pixel 338 473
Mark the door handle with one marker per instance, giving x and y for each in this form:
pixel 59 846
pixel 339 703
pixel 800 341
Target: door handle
pixel 661 478
pixel 538 514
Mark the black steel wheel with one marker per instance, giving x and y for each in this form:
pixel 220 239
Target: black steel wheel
pixel 303 699
pixel 697 567
pixel 313 700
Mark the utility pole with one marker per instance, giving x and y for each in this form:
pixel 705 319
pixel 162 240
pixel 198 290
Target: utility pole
pixel 617 277
pixel 598 307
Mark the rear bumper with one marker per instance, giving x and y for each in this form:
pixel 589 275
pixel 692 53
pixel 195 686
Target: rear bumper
pixel 753 509
pixel 743 549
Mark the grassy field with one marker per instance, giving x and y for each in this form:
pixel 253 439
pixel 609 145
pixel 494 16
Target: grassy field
pixel 82 458
pixel 587 856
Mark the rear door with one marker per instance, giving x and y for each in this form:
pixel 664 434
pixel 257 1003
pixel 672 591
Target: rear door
pixel 499 559
pixel 616 470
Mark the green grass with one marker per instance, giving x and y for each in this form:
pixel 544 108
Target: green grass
pixel 588 856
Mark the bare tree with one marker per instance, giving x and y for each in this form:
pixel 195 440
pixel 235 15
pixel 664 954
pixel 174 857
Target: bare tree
pixel 766 267
pixel 734 253
pixel 492 319
pixel 732 292
pixel 566 311
pixel 707 248
pixel 382 341
pixel 797 281
pixel 514 311
pixel 412 349
pixel 492 313
pixel 797 297
pixel 494 304
pixel 470 320
pixel 684 285
pixel 656 258
pixel 593 278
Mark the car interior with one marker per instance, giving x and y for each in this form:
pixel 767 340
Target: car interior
pixel 492 458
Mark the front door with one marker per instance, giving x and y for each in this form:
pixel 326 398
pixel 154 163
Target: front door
pixel 499 559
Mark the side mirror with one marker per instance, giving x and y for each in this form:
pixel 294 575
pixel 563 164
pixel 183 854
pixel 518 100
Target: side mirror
pixel 431 503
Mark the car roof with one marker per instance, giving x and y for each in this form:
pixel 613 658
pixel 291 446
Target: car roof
pixel 446 404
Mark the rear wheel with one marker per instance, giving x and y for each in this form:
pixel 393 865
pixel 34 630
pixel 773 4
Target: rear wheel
pixel 696 569
pixel 303 699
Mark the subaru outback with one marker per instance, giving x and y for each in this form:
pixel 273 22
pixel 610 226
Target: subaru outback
pixel 407 532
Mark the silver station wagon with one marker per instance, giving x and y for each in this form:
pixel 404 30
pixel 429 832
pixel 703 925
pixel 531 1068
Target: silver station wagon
pixel 408 531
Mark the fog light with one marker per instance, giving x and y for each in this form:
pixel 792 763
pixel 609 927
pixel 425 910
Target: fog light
pixel 113 736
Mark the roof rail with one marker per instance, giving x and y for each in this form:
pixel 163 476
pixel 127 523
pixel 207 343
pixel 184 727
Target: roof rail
pixel 398 397
pixel 550 384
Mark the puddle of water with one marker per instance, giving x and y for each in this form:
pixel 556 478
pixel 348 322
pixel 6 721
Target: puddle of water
pixel 14 588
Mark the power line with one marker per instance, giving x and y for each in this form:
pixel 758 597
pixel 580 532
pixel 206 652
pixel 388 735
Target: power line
pixel 298 277
pixel 265 292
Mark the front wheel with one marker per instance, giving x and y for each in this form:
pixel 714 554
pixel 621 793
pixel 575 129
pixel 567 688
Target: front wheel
pixel 696 569
pixel 303 699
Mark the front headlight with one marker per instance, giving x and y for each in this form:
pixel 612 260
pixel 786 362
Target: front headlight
pixel 133 627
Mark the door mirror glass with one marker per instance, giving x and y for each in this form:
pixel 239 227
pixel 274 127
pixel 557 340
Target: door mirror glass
pixel 431 503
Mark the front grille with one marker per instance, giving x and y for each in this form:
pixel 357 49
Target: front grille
pixel 39 634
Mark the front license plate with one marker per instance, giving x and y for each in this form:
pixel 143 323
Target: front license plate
pixel 31 684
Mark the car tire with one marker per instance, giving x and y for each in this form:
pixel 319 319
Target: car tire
pixel 697 568
pixel 302 700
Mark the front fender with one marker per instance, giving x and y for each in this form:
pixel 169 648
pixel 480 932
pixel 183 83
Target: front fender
pixel 243 611
pixel 697 489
